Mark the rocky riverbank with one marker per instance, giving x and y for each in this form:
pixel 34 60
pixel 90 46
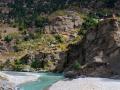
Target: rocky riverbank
pixel 10 80
pixel 6 85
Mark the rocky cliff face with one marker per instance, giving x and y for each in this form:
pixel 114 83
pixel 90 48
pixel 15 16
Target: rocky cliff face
pixel 102 45
pixel 99 50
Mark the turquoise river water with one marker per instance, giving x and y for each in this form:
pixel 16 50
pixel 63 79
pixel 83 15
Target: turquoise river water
pixel 45 80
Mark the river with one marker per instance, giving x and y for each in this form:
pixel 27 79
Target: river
pixel 45 80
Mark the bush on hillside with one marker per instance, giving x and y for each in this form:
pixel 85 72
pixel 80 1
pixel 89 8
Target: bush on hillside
pixel 8 38
pixel 76 65
pixel 89 23
pixel 40 21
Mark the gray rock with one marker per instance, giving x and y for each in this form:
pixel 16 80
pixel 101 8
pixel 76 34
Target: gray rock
pixel 65 24
pixel 70 74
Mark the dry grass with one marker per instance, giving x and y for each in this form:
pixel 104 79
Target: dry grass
pixel 6 30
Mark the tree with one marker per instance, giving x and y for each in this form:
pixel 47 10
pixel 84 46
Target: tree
pixel 40 21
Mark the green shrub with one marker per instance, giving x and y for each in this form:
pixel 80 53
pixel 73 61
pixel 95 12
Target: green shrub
pixel 17 62
pixel 13 24
pixel 89 23
pixel 76 65
pixel 8 38
pixel 35 64
pixel 59 38
pixel 40 21
pixel 18 67
pixel 20 28
pixel 1 66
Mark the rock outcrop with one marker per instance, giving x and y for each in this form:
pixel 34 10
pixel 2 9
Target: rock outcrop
pixel 102 44
pixel 45 61
pixel 99 52
pixel 67 24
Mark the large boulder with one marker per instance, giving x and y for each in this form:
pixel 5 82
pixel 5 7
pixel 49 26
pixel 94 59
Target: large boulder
pixel 70 74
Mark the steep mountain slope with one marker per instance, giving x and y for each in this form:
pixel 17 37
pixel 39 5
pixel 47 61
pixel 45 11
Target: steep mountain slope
pixel 58 35
pixel 23 49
